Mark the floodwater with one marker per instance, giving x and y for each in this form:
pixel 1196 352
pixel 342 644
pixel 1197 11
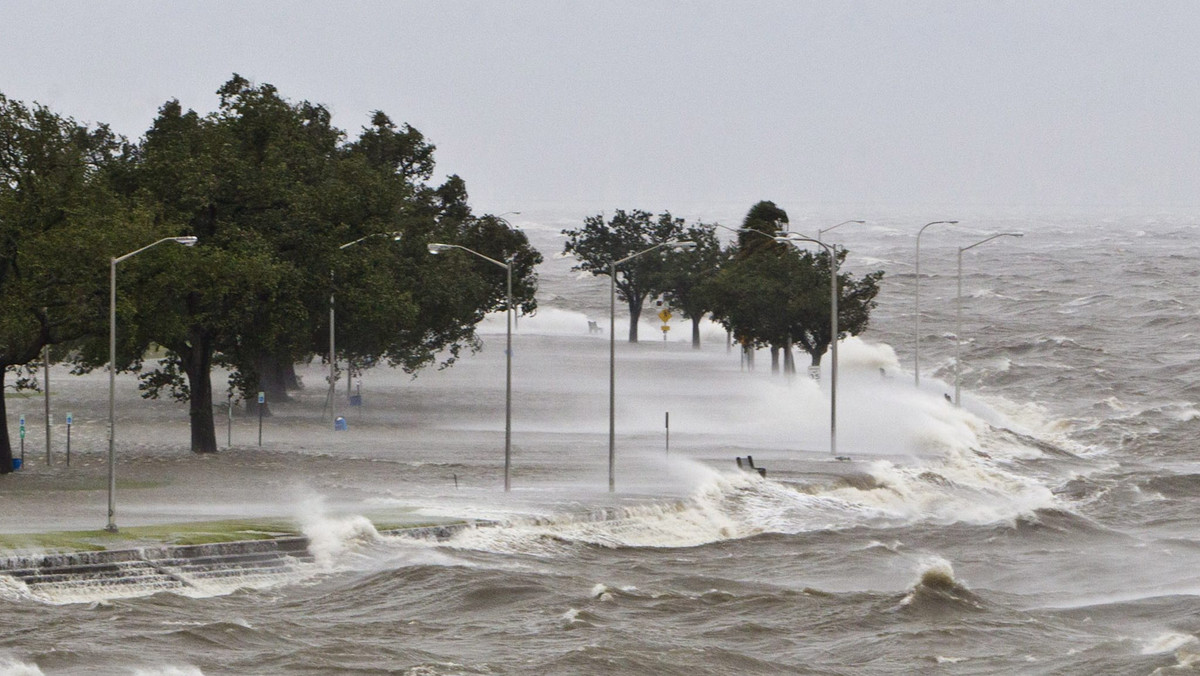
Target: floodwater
pixel 1045 527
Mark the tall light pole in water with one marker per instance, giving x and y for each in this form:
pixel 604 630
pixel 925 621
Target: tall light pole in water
pixel 677 245
pixel 332 354
pixel 794 239
pixel 112 373
pixel 958 306
pixel 917 303
pixel 439 248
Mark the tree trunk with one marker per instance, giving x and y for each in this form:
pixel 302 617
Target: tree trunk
pixel 197 363
pixel 635 314
pixel 5 445
pixel 695 333
pixel 774 359
pixel 789 361
pixel 274 375
pixel 291 380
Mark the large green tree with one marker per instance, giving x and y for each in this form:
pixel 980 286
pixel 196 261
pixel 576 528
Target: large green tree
pixel 770 294
pixel 599 243
pixel 60 222
pixel 273 191
pixel 687 274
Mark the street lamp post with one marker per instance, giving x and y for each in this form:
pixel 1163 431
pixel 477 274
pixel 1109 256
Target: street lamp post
pixel 439 248
pixel 833 331
pixel 958 307
pixel 332 354
pixel 612 350
pixel 917 303
pixel 111 527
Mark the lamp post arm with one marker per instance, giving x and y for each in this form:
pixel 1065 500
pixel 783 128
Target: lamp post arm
pixel 186 241
pixel 985 241
pixel 821 232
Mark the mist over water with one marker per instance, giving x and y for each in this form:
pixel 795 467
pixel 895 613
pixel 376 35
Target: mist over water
pixel 1043 528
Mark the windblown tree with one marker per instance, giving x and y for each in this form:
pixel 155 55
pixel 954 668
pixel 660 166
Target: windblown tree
pixel 435 303
pixel 59 224
pixel 771 295
pixel 809 308
pixel 687 275
pixel 598 243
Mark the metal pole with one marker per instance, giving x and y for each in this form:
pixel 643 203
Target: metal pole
pixel 612 349
pixel 189 240
pixel 667 424
pixel 833 331
pixel 833 367
pixel 958 307
pixel 111 527
pixel 435 248
pixel 46 364
pixel 917 304
pixel 612 375
pixel 508 380
pixel 229 420
pixel 332 358
pixel 958 327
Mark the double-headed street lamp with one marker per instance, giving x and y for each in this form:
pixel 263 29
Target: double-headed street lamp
pixel 833 329
pixel 112 372
pixel 333 355
pixel 439 248
pixel 958 306
pixel 917 303
pixel 677 245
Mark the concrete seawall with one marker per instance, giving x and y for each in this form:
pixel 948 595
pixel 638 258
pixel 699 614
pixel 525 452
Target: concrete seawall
pixel 137 571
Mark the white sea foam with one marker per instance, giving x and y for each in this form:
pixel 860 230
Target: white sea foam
pixel 10 666
pixel 956 487
pixel 1166 642
pixel 168 670
pixel 331 538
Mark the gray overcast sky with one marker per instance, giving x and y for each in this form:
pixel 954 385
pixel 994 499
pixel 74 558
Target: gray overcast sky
pixel 665 105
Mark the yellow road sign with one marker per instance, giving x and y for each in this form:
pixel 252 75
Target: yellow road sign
pixel 665 315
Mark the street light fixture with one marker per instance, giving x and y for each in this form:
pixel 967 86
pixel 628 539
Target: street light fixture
pixel 958 306
pixel 189 240
pixel 917 303
pixel 436 248
pixel 677 245
pixel 833 330
pixel 333 355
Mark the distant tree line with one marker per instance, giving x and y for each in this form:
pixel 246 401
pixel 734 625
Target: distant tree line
pixel 272 190
pixel 764 292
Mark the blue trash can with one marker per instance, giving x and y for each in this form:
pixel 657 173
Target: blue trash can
pixel 339 424
pixel 16 464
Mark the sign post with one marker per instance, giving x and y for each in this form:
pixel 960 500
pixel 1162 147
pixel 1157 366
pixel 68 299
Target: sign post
pixel 70 419
pixel 262 399
pixel 665 315
pixel 22 440
pixel 229 421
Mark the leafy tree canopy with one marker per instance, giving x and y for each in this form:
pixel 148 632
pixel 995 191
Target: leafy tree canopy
pixel 599 243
